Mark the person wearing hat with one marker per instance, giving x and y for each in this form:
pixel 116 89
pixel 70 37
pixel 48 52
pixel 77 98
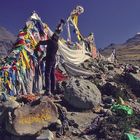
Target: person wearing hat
pixel 52 47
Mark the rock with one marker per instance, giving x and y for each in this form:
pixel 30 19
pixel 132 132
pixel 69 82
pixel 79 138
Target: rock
pixel 45 135
pixel 81 94
pixel 136 132
pixel 6 108
pixel 110 76
pixel 58 122
pixel 135 105
pixel 13 137
pixel 3 113
pixel 110 88
pixel 85 137
pixel 3 97
pixel 11 104
pixel 59 86
pixel 110 67
pixel 31 118
pixel 86 65
pixel 129 68
pixel 105 68
pixel 136 69
pixel 76 132
pixel 73 123
pixel 108 100
pixel 106 112
pixel 134 81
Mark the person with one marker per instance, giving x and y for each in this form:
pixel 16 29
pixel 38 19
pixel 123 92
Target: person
pixel 89 42
pixel 52 47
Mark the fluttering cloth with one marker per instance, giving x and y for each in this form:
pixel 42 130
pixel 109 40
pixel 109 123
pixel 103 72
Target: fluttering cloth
pixel 73 56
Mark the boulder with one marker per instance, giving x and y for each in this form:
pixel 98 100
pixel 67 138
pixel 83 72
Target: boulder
pixel 31 118
pixel 81 94
pixel 110 88
pixel 45 135
pixel 134 81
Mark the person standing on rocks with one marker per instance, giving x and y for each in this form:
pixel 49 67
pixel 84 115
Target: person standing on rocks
pixel 52 47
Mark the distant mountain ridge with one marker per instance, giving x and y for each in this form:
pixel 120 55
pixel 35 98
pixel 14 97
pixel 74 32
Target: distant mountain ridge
pixel 6 41
pixel 134 40
pixel 6 35
pixel 126 52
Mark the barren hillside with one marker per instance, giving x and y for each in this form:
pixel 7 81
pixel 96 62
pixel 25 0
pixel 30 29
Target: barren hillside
pixel 127 52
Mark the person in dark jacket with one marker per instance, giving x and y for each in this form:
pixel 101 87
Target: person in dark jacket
pixel 52 47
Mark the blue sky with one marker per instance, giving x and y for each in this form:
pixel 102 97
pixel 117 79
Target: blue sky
pixel 112 21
